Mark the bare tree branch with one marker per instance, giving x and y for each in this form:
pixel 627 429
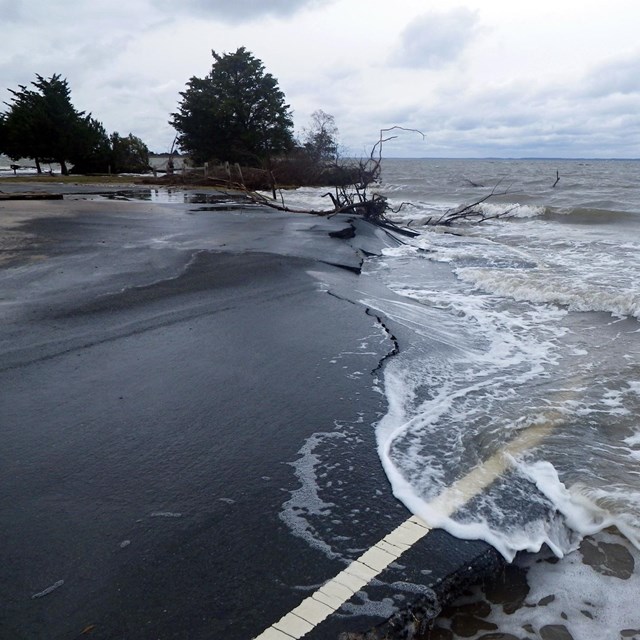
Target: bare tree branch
pixel 353 197
pixel 473 211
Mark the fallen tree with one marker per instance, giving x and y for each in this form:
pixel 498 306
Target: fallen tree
pixel 351 181
pixel 351 194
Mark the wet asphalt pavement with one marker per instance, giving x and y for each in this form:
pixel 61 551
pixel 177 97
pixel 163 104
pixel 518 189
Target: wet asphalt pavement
pixel 162 371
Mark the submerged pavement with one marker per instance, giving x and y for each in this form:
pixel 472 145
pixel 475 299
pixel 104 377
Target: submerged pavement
pixel 186 415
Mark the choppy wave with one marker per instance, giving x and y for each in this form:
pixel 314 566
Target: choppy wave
pixel 525 330
pixel 530 328
pixel 490 373
pixel 550 288
pixel 592 268
pixel 419 213
pixel 513 404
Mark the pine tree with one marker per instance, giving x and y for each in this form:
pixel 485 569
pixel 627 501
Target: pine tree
pixel 236 113
pixel 43 124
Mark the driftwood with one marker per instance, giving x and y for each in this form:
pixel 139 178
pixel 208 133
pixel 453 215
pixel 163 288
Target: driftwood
pixel 472 212
pixel 353 196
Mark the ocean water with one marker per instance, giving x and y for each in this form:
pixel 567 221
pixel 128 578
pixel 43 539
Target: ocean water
pixel 540 316
pixel 523 362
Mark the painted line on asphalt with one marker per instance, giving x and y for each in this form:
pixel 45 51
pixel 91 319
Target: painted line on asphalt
pixel 334 593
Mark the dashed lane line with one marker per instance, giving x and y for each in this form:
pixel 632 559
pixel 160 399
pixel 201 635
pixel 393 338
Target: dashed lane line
pixel 333 594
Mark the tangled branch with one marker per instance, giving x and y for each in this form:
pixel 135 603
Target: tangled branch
pixel 474 211
pixel 353 196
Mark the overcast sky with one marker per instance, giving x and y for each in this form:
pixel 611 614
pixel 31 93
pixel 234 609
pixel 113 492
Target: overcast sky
pixel 543 78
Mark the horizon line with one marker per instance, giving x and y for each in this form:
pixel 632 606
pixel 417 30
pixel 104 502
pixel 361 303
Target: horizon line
pixel 510 158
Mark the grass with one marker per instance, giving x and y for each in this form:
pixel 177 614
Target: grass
pixel 73 179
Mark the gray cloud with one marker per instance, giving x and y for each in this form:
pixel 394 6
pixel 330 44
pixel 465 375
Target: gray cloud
pixel 434 39
pixel 74 15
pixel 239 10
pixel 614 76
pixel 128 66
pixel 534 122
pixel 10 11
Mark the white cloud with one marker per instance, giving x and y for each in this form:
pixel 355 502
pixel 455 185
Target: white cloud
pixel 620 75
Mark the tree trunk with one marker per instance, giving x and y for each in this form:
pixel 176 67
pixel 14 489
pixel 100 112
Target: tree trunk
pixel 38 167
pixel 63 168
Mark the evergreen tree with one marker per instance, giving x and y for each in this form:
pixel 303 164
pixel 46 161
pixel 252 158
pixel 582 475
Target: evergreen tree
pixel 91 152
pixel 42 123
pixel 22 126
pixel 236 113
pixel 128 155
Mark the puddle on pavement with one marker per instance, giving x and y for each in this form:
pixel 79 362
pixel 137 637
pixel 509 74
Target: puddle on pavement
pixel 169 196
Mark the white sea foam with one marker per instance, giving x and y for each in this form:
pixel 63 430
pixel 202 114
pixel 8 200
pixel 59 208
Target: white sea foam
pixel 581 514
pixel 548 287
pixel 305 501
pixel 507 333
pixel 499 350
pixel 423 212
pixel 514 209
pixel 591 602
pixel 634 440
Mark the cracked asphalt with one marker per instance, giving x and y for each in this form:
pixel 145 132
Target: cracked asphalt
pixel 162 371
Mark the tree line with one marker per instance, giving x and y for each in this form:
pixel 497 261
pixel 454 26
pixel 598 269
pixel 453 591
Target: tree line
pixel 235 114
pixel 41 123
